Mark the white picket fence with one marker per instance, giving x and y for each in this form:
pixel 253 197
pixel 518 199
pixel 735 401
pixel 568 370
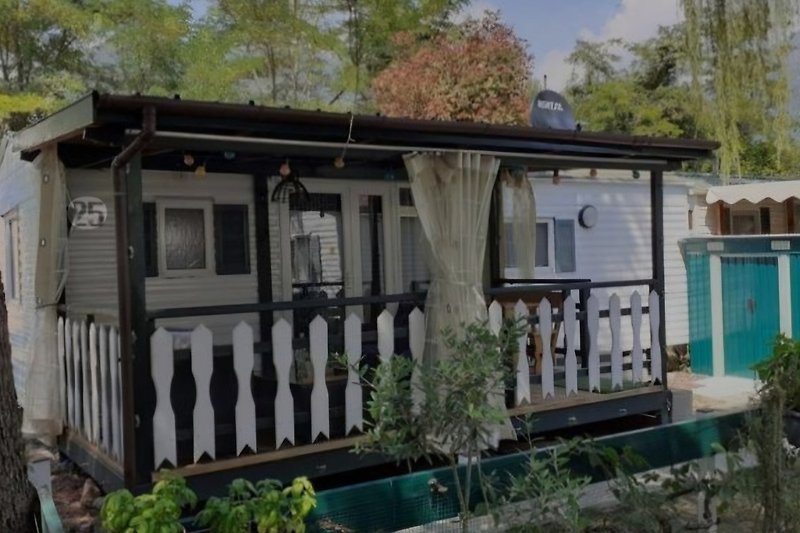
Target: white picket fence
pixel 90 382
pixel 162 366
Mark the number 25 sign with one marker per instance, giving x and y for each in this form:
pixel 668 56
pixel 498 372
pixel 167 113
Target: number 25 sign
pixel 87 212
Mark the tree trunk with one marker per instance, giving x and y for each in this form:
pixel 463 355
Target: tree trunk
pixel 17 495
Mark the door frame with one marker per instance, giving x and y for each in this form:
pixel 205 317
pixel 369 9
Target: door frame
pixel 349 191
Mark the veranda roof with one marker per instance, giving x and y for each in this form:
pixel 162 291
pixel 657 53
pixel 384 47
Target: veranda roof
pixel 92 129
pixel 754 193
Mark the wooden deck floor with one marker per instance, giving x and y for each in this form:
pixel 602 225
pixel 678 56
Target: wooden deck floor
pixel 562 401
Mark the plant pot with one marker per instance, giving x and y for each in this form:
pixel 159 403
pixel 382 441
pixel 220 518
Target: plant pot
pixel 791 426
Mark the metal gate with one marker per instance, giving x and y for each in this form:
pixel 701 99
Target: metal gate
pixel 751 314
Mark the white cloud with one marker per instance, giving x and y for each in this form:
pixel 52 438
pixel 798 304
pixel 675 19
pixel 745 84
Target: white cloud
pixel 554 65
pixel 633 21
pixel 637 20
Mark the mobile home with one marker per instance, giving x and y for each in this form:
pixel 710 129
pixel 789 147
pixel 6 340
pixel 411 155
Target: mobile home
pixel 217 254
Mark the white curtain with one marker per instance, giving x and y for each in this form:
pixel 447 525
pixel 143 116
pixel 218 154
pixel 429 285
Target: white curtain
pixel 523 219
pixel 452 193
pixel 42 415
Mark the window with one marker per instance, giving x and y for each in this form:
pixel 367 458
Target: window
pixel 543 241
pixel 11 276
pixel 744 223
pixel 555 247
pixel 414 266
pixel 306 259
pixel 231 239
pixel 565 245
pixel 185 235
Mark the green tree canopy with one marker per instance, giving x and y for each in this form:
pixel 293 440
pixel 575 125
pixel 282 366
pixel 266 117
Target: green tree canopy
pixel 738 53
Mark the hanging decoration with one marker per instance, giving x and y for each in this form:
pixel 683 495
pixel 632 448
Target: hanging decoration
pixel 200 171
pixel 339 161
pixel 188 159
pixel 290 184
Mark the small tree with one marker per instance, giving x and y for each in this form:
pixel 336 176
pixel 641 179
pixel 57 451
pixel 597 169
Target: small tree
pixel 17 497
pixel 480 71
pixel 451 408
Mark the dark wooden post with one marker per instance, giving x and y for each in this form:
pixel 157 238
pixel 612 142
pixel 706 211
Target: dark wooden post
pixel 583 325
pixel 723 219
pixel 493 238
pixel 144 391
pixel 657 243
pixel 263 259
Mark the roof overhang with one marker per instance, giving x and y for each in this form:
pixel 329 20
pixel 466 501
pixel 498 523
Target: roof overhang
pixel 108 120
pixel 779 191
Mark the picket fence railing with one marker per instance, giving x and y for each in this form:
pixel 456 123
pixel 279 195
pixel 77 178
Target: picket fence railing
pixel 90 385
pixel 202 366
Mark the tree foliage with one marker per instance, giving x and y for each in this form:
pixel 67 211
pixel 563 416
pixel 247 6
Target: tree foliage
pixel 478 71
pixel 646 98
pixel 738 53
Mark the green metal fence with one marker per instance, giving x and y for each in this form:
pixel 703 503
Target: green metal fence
pixel 415 499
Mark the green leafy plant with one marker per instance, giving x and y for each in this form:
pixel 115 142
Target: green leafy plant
pixel 550 491
pixel 781 370
pixel 267 505
pixel 407 403
pixel 156 512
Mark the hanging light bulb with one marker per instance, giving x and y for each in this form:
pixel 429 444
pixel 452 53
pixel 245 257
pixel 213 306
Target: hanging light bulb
pixel 339 162
pixel 285 169
pixel 188 160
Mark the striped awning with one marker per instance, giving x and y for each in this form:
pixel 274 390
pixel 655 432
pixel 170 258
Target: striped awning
pixel 754 193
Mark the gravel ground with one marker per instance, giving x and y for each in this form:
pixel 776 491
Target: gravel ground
pixel 714 393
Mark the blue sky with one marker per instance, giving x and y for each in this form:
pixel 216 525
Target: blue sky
pixel 551 27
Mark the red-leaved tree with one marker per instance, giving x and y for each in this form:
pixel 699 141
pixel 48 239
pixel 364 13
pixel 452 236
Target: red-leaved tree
pixel 480 71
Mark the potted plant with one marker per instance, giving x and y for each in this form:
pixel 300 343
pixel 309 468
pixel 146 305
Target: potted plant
pixel 780 376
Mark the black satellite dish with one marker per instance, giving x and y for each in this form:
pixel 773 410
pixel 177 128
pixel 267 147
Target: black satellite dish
pixel 550 110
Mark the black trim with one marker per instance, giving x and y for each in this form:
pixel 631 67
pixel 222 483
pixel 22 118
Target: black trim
pixel 231 223
pixel 150 224
pixel 657 244
pixel 143 389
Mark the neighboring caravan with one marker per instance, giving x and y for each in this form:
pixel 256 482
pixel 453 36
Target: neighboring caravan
pixel 218 254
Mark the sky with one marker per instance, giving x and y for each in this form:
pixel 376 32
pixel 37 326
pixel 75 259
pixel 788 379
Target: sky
pixel 551 27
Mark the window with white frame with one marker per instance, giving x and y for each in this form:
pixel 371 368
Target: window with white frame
pixel 185 237
pixel 555 247
pixel 11 277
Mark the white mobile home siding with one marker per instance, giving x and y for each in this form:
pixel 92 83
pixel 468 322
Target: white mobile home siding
pixel 18 199
pixel 618 246
pixel 91 283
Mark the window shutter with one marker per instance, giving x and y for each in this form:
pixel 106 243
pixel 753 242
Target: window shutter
pixel 231 239
pixel 564 231
pixel 150 239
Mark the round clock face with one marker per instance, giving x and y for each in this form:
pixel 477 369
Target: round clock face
pixel 588 216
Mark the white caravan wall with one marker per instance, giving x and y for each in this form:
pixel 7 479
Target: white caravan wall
pixel 18 198
pixel 91 284
pixel 618 247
